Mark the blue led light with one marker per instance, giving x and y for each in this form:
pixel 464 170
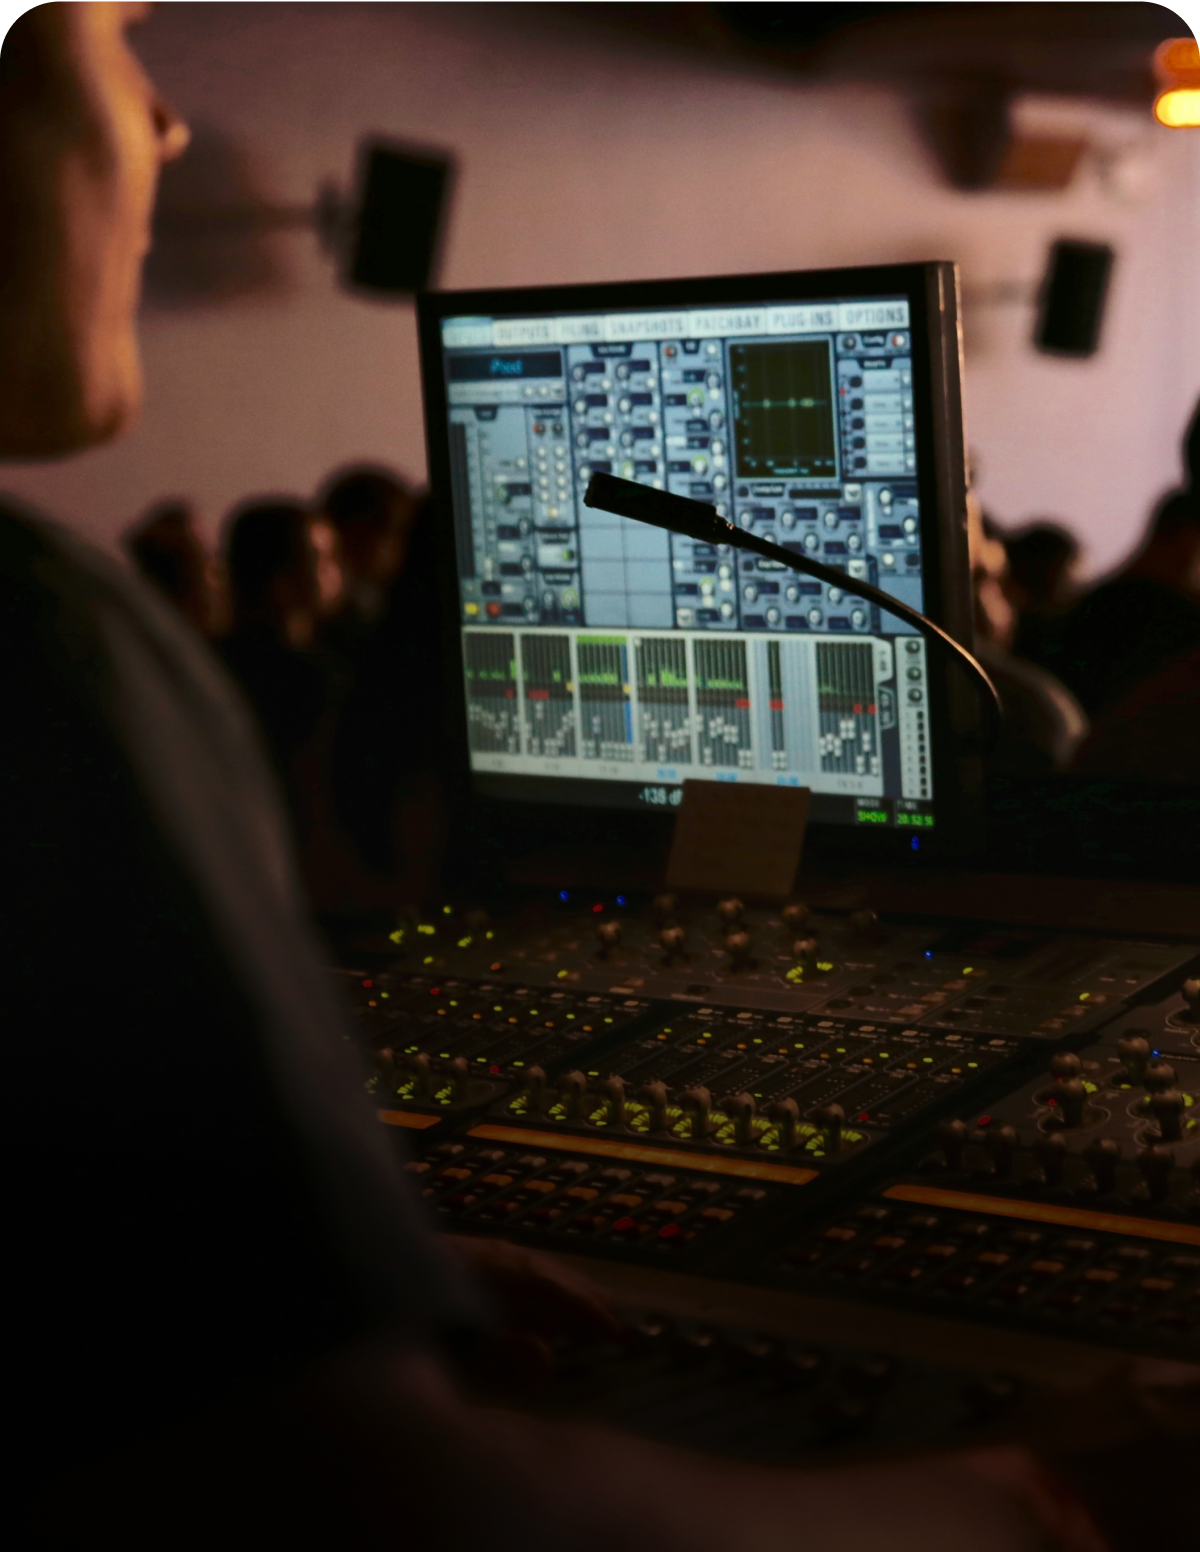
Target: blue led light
pixel 916 845
pixel 620 899
pixel 1155 1053
pixel 928 953
pixel 563 895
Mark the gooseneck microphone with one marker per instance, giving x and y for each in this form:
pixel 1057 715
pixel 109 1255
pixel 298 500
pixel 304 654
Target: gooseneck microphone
pixel 700 520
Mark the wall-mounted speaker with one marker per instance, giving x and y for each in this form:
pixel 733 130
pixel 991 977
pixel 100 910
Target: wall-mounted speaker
pixel 1073 295
pixel 401 203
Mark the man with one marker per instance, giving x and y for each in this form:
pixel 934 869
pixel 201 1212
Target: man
pixel 1123 632
pixel 228 1307
pixel 166 547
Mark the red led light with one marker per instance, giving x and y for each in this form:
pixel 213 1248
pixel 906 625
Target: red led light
pixel 435 991
pixel 495 1071
pixel 863 1116
pixel 368 984
pixel 985 1120
pixel 597 908
pixel 1052 1100
pixel 622 1225
pixel 669 1231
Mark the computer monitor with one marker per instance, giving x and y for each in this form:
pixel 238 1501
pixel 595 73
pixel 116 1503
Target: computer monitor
pixel 601 662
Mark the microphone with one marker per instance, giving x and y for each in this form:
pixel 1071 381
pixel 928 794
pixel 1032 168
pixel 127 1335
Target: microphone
pixel 700 520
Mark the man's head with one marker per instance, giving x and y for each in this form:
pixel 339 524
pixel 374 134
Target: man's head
pixel 1040 559
pixel 1173 544
pixel 372 511
pixel 167 548
pixel 83 136
pixel 284 569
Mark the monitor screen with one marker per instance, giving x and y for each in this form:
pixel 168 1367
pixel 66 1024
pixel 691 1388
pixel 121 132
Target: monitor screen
pixel 603 661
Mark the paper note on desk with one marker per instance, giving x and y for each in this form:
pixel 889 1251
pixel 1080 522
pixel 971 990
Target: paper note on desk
pixel 744 838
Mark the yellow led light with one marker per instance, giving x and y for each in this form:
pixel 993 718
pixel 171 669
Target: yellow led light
pixel 1178 107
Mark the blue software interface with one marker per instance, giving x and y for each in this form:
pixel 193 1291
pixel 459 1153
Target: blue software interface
pixel 600 650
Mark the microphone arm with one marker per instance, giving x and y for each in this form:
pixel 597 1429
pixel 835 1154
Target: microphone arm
pixel 699 520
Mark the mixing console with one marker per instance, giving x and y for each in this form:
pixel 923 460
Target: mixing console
pixel 998 1124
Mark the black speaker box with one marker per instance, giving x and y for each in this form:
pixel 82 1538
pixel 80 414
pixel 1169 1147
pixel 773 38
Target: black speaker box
pixel 1073 295
pixel 402 199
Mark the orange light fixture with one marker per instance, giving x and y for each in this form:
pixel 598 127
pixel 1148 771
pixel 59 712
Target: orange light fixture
pixel 1177 65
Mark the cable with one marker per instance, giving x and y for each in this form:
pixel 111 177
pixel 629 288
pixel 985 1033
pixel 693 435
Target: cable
pixel 699 520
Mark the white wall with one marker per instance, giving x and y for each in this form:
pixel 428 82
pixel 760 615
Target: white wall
pixel 589 159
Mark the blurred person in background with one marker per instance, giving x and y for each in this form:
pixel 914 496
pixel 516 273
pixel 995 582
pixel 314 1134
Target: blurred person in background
pixel 1040 585
pixel 372 510
pixel 1043 722
pixel 227 1315
pixel 1124 631
pixel 1152 732
pixel 386 758
pixel 285 577
pixel 167 549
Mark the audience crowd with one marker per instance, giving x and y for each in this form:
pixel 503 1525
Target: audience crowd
pixel 322 610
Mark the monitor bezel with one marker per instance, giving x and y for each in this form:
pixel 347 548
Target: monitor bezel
pixel 541 815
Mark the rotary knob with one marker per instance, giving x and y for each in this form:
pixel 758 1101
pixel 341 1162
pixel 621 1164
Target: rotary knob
pixel 1052 1156
pixel 572 1090
pixel 952 1137
pixel 1134 1052
pixel 1000 1143
pixel 663 908
pixel 804 950
pixel 738 946
pixel 784 1115
pixel 830 1119
pixel 795 917
pixel 697 1102
pixel 1166 1107
pixel 460 1079
pixel 730 912
pixel 1158 1077
pixel 1156 1164
pixel 1072 1101
pixel 385 1067
pixel 1102 1155
pixel 533 1086
pixel 673 940
pixel 608 935
pixel 612 1094
pixel 740 1110
pixel 1065 1065
pixel 422 1076
pixel 1191 998
pixel 654 1096
pixel 865 924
